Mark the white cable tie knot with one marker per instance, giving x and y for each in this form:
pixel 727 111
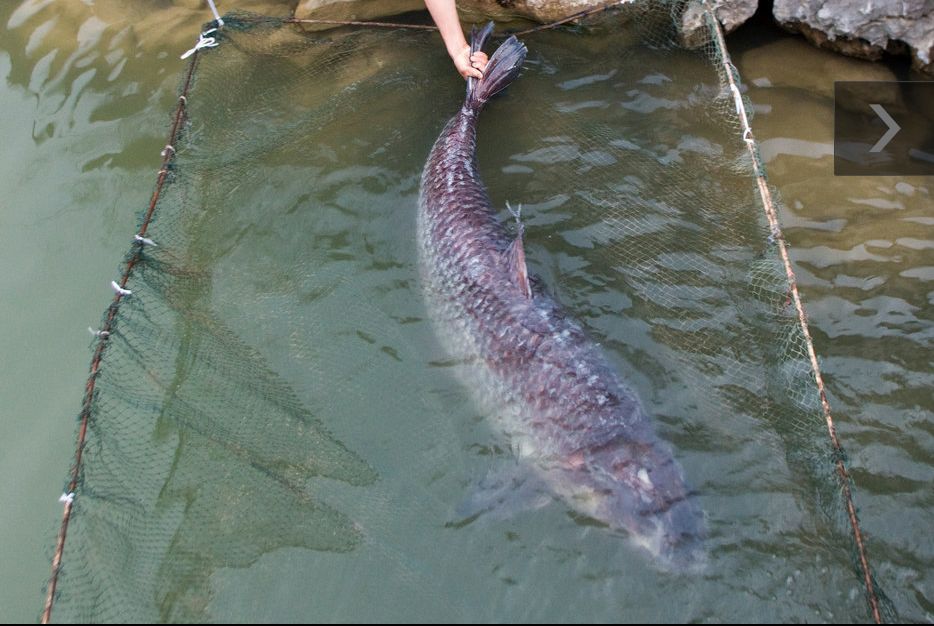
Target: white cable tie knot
pixel 168 147
pixel 119 290
pixel 203 42
pixel 143 240
pixel 67 498
pixel 747 135
pixel 103 334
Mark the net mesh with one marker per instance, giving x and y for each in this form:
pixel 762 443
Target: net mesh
pixel 271 389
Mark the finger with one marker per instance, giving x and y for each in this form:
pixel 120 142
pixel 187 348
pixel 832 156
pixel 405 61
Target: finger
pixel 469 72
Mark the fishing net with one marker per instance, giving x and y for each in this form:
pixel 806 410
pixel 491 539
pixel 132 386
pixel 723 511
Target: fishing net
pixel 273 431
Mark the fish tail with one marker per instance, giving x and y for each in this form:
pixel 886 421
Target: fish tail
pixel 502 68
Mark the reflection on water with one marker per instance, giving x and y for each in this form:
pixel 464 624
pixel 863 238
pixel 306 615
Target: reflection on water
pixel 311 257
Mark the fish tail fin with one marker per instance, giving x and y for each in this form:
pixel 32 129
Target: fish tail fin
pixel 502 68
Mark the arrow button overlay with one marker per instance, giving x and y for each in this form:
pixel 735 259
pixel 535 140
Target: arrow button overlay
pixel 884 128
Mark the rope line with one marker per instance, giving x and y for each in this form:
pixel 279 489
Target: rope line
pixel 295 20
pixel 779 239
pixel 103 333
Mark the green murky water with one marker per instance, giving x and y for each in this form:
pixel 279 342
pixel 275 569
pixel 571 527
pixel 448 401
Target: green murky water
pixel 86 96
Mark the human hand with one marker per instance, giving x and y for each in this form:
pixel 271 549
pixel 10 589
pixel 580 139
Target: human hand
pixel 469 65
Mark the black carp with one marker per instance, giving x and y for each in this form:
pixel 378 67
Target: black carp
pixel 531 366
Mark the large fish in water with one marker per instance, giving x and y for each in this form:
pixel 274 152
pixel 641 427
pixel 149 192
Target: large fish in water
pixel 552 391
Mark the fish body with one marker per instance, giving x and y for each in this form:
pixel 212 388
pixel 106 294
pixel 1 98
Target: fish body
pixel 547 385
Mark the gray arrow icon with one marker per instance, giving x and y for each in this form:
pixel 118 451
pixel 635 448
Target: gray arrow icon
pixel 866 146
pixel 890 133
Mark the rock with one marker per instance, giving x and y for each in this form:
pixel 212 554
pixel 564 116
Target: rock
pixel 864 29
pixel 355 9
pixel 262 7
pixel 730 13
pixel 538 10
pixel 733 13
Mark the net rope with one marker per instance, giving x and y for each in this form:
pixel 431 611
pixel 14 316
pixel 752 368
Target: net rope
pixel 732 77
pixel 103 334
pixel 169 456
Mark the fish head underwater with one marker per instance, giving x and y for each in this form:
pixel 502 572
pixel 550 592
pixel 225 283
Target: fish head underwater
pixel 637 487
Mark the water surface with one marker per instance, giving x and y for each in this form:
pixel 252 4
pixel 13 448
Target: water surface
pixel 309 250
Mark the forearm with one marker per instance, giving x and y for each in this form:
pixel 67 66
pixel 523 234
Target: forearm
pixel 444 13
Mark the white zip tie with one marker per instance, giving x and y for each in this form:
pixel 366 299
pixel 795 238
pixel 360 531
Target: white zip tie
pixel 103 334
pixel 737 99
pixel 217 16
pixel 120 290
pixel 203 42
pixel 67 498
pixel 741 109
pixel 166 149
pixel 143 240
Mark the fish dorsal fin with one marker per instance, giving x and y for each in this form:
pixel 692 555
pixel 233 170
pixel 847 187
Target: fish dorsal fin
pixel 515 254
pixel 515 257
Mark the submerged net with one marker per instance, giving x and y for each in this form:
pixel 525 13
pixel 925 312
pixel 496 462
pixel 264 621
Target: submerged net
pixel 273 432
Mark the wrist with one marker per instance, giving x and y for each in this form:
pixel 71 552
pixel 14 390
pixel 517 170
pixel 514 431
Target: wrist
pixel 455 42
pixel 457 48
